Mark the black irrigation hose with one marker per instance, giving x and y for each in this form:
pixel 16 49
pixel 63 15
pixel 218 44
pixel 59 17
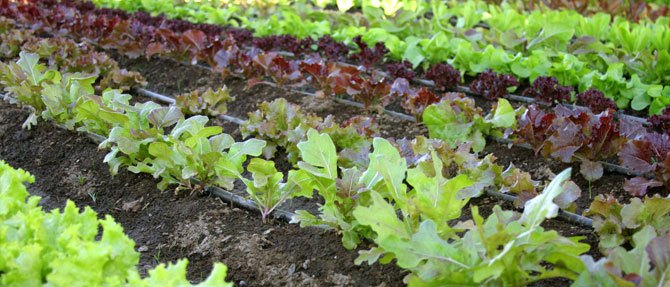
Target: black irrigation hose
pixel 235 199
pixel 568 216
pixel 285 215
pixel 171 101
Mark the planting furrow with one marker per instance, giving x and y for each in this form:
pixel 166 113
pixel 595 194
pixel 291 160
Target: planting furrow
pixel 254 97
pixel 475 56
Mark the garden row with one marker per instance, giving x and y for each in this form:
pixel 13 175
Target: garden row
pixel 325 173
pixel 551 132
pixel 632 10
pixel 65 244
pixel 631 82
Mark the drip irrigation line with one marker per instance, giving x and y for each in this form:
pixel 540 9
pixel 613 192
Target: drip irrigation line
pixel 235 199
pixel 172 101
pixel 285 215
pixel 566 215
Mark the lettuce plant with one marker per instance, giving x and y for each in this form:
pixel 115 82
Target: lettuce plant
pixel 72 246
pixel 193 151
pixel 616 223
pixel 457 120
pixel 501 250
pixel 204 102
pixel 268 189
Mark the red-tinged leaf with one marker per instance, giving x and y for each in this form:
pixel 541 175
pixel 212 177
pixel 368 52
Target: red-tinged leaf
pixel 638 186
pixel 661 123
pixel 366 56
pixel 366 126
pixel 659 252
pixel 570 194
pixel 603 139
pixel 222 58
pixel 564 153
pixel 168 37
pixel 631 129
pixel 400 88
pixel 444 76
pixel 340 78
pixel 416 102
pixel 547 90
pixel 373 94
pixel 132 50
pixel 564 142
pixel 492 85
pixel 332 49
pixel 523 197
pixel 634 278
pixel 153 48
pixel 534 127
pixel 591 170
pixel 637 156
pixel 596 101
pixel 401 70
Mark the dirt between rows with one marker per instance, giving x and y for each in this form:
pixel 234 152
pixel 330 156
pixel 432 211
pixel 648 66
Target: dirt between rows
pixel 166 227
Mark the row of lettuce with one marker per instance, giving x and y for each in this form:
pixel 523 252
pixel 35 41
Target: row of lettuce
pixel 564 134
pixel 626 61
pixel 418 185
pixel 62 248
pixel 649 9
pixel 202 42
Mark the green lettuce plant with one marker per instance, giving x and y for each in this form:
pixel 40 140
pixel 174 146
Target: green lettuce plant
pixel 62 248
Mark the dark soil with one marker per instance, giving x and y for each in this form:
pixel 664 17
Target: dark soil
pixel 167 227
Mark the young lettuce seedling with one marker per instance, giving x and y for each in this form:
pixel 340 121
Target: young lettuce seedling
pixel 268 189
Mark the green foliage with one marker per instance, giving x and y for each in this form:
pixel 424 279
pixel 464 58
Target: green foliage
pixel 60 248
pixel 135 134
pixel 24 80
pixel 281 124
pixel 502 250
pixel 284 125
pixel 617 223
pixel 268 189
pixel 204 102
pixel 646 264
pixel 341 194
pixel 458 121
pixel 584 51
pixel 194 151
